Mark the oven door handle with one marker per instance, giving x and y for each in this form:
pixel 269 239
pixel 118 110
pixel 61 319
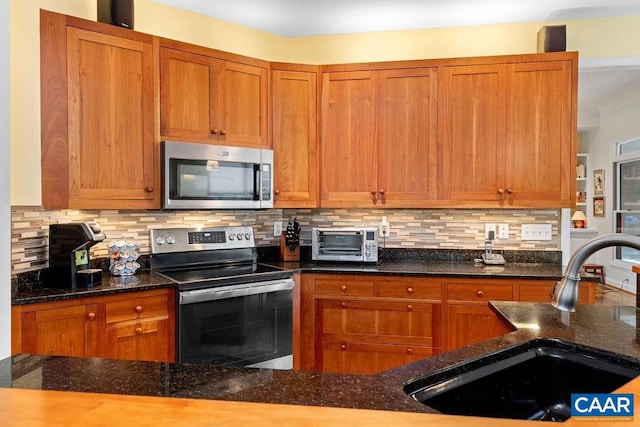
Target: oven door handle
pixel 212 294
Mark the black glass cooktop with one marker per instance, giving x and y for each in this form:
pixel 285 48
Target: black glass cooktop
pixel 194 278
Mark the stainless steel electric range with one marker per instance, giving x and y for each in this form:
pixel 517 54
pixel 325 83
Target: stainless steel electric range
pixel 231 310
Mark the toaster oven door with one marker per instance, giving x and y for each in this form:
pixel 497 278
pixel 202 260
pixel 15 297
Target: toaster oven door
pixel 339 245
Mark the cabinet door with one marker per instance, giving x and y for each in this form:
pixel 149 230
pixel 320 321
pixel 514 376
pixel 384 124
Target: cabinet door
pixel 242 104
pixel 407 141
pixel 540 154
pixel 140 340
pixel 294 138
pixel 472 323
pixel 186 105
pixel 349 140
pixel 472 132
pixel 110 120
pixel 64 331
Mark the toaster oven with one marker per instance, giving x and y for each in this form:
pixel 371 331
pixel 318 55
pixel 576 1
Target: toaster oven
pixel 344 244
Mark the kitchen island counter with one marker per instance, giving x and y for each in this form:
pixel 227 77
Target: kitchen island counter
pixel 610 328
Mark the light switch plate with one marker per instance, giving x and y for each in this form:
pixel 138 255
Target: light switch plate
pixel 536 231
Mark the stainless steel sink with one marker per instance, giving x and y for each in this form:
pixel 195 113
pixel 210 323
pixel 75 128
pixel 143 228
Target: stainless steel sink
pixel 533 380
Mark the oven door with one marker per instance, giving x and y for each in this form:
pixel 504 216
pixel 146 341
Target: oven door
pixel 239 325
pixel 201 176
pixel 332 245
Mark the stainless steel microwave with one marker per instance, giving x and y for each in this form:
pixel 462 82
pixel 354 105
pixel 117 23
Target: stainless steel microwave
pixel 203 176
pixel 344 244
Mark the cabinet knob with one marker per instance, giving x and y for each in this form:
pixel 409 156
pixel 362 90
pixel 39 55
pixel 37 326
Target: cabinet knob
pixel 215 131
pixel 91 316
pixel 138 309
pixel 409 290
pixel 223 132
pixel 343 347
pixel 138 330
pixel 500 190
pixel 343 288
pixel 480 294
pixel 148 189
pixel 343 305
pixel 409 307
pixel 276 192
pixel 509 191
pixel 409 351
pixel 381 191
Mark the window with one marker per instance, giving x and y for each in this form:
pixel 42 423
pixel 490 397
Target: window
pixel 627 214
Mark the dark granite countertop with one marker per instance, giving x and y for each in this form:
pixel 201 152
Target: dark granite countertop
pixel 612 328
pixel 149 280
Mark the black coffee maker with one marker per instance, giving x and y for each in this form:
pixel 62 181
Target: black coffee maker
pixel 69 246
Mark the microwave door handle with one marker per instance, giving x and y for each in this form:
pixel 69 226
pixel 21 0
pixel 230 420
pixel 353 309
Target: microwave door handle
pixel 257 182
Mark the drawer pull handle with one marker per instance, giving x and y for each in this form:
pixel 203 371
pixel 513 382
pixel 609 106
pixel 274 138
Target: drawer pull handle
pixel 343 288
pixel 343 305
pixel 480 294
pixel 409 351
pixel 91 316
pixel 409 307
pixel 409 290
pixel 138 309
pixel 343 347
pixel 138 330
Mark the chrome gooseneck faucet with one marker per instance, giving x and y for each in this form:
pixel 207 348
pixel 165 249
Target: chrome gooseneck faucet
pixel 565 295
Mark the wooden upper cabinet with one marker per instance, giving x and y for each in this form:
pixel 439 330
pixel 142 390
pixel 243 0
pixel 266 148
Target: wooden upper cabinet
pixel 294 138
pixel 508 134
pixel 539 160
pixel 407 137
pixel 472 129
pixel 211 100
pixel 349 147
pixel 379 138
pixel 97 106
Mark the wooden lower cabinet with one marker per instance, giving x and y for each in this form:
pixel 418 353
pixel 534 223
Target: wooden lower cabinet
pixel 133 326
pixel 351 323
pixel 62 331
pixel 365 337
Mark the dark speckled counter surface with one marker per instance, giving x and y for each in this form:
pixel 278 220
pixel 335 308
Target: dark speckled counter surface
pixel 612 328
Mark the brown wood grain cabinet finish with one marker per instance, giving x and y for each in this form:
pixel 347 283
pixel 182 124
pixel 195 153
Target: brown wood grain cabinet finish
pixel 352 323
pixel 294 113
pixel 508 134
pixel 135 326
pixel 97 97
pixel 211 100
pixel 379 138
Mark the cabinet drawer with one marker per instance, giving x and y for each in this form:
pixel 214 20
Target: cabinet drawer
pixel 543 292
pixel 479 292
pixel 343 287
pixel 410 289
pixel 360 358
pixel 136 308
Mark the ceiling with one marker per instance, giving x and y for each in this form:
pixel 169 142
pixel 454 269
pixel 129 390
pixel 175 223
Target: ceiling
pixel 298 18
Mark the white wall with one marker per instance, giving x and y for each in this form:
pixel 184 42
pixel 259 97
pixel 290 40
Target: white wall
pixel 618 123
pixel 5 208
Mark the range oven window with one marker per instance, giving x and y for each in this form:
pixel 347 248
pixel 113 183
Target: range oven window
pixel 237 331
pixel 213 180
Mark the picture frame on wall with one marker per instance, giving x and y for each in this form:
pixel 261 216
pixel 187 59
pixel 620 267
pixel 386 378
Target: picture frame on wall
pixel 598 206
pixel 598 181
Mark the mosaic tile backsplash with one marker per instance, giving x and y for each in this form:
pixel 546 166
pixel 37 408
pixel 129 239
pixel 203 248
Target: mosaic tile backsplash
pixel 409 228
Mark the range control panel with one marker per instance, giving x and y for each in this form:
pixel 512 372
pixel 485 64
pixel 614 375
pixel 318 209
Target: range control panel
pixel 169 240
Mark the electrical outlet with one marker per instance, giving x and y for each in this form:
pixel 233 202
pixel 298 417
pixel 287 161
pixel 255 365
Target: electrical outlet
pixel 277 228
pixel 384 228
pixel 487 228
pixel 503 231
